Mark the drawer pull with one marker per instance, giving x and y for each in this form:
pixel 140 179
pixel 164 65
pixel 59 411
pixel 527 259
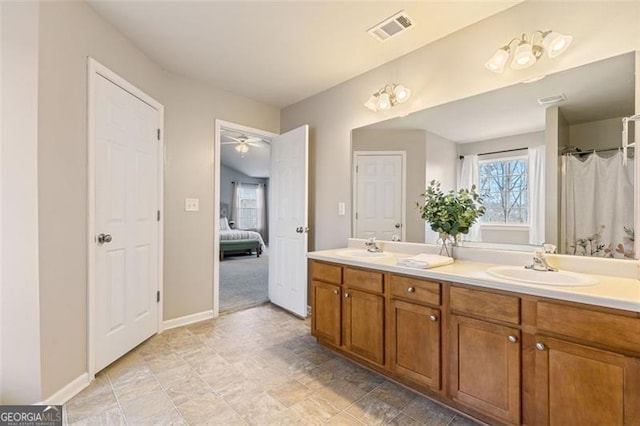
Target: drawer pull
pixel 540 346
pixel 336 291
pixel 411 290
pixel 433 318
pixel 347 295
pixel 512 339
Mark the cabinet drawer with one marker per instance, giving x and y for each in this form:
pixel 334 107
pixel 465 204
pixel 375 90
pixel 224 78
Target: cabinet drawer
pixel 414 289
pixel 500 307
pixel 364 280
pixel 326 272
pixel 593 326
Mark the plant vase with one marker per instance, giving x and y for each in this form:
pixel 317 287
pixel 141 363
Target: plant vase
pixel 446 243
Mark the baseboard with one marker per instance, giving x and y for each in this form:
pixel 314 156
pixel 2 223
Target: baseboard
pixel 70 390
pixel 186 320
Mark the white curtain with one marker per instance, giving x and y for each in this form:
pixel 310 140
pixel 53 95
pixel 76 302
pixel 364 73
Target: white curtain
pixel 469 175
pixel 261 205
pixel 598 195
pixel 536 194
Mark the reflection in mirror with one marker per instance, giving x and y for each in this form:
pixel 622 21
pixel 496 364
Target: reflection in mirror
pixel 545 155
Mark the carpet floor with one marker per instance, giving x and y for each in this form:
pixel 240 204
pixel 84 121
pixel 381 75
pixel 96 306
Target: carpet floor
pixel 243 282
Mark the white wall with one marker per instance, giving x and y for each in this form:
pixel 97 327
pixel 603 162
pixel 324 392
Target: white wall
pixel 19 325
pixel 524 140
pixel 437 75
pixel 69 32
pixel 601 134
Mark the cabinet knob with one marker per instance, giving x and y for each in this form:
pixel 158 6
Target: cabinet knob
pixel 433 318
pixel 411 290
pixel 347 295
pixel 512 339
pixel 336 291
pixel 540 346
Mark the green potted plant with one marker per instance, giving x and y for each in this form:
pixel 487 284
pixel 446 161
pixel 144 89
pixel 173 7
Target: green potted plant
pixel 452 213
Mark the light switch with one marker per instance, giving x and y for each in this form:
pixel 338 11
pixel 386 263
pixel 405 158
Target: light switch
pixel 191 204
pixel 341 208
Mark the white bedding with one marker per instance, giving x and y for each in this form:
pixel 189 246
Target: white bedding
pixel 236 234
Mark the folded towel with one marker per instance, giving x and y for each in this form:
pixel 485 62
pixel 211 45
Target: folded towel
pixel 424 261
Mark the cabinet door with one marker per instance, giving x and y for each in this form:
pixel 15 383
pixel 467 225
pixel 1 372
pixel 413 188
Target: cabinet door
pixel 580 385
pixel 364 324
pixel 415 342
pixel 326 312
pixel 485 367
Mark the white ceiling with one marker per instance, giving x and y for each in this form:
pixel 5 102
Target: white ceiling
pixel 596 91
pixel 281 52
pixel 254 163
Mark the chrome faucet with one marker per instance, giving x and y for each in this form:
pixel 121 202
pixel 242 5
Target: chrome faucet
pixel 372 245
pixel 540 262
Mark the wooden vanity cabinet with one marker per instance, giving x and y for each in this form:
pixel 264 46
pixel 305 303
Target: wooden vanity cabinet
pixel 348 308
pixel 415 330
pixel 363 314
pixel 503 357
pixel 485 353
pixel 587 369
pixel 326 296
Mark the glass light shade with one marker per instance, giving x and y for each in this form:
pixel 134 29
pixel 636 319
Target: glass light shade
pixel 384 102
pixel 401 93
pixel 242 148
pixel 498 60
pixel 523 57
pixel 555 43
pixel 372 103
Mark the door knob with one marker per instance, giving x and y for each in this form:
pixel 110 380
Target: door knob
pixel 397 225
pixel 104 238
pixel 299 230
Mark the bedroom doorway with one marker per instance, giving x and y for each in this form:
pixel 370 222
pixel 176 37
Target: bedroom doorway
pixel 243 237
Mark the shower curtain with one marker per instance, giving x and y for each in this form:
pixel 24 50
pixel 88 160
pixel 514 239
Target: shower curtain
pixel 598 199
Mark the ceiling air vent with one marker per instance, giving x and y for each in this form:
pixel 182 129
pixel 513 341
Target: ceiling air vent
pixel 391 26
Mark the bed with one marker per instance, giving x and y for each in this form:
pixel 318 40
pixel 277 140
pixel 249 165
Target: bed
pixel 239 241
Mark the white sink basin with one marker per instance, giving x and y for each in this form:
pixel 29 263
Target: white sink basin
pixel 362 254
pixel 559 278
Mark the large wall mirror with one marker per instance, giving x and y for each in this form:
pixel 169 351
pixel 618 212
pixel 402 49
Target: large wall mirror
pixel 546 156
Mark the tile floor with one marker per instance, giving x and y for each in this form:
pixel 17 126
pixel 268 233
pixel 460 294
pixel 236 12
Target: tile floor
pixel 259 366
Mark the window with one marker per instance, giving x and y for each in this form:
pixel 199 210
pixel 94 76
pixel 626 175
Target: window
pixel 503 187
pixel 247 207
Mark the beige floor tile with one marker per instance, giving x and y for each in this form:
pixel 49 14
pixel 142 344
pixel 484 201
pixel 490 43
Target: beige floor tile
pixel 394 395
pixel 460 420
pixel 260 366
pixel 372 411
pixel 186 389
pixel 110 417
pixel 146 406
pixel 290 392
pixel 340 393
pixel 428 412
pixel 208 409
pixel 259 409
pixel 344 419
pixel 315 411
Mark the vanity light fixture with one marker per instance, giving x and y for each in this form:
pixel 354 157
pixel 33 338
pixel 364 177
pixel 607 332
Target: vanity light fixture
pixel 528 52
pixel 388 96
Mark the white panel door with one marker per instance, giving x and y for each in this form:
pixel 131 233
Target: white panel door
pixel 379 196
pixel 126 222
pixel 288 221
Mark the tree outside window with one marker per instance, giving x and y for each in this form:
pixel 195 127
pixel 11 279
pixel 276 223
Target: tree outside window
pixel 247 207
pixel 504 190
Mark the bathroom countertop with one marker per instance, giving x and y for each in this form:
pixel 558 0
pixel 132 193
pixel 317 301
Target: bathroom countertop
pixel 612 292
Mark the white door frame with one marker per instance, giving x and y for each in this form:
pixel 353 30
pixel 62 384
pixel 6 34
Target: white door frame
pixel 220 124
pixel 96 69
pixel 354 188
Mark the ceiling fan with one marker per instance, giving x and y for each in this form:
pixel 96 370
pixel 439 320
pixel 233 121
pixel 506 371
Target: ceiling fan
pixel 243 142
